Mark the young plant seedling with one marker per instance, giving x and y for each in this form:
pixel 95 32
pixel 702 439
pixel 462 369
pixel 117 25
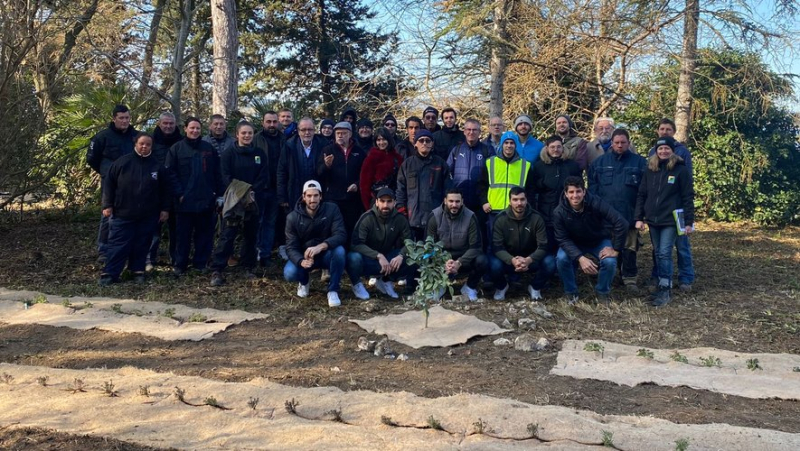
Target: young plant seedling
pixel 594 347
pixel 66 303
pixel 681 444
pixel 7 378
pixel 608 439
pixel 116 308
pixel 430 257
pixel 197 318
pixel 253 403
pixel 42 380
pixel 212 401
pixel 40 299
pixel 144 390
pixel 711 361
pixel 180 394
pixel 108 389
pixel 752 365
pixel 77 386
pixel 533 430
pixel 433 423
pixel 388 421
pixel 291 406
pixel 336 415
pixel 646 353
pixel 678 357
pixel 481 427
pixel 169 313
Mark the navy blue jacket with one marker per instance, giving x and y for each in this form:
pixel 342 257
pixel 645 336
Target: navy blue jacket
pixel 465 164
pixel 162 143
pixel 290 168
pixel 664 191
pixel 108 145
pixel 548 184
pixel 445 139
pixel 273 146
pixel 596 222
pixel 303 231
pixel 196 176
pixel 342 173
pixel 136 187
pixel 247 164
pixel 616 178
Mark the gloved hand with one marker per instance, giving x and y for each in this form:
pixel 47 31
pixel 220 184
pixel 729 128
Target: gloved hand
pixel 220 202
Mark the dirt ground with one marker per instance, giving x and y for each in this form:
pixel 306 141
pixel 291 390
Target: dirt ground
pixel 745 299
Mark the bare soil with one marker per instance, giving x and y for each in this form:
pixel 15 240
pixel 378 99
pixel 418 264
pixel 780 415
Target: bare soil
pixel 745 299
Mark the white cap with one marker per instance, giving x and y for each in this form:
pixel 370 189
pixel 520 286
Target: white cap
pixel 312 184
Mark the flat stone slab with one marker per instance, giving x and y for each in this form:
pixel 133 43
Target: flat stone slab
pixel 775 376
pixel 368 420
pixel 119 315
pixel 445 327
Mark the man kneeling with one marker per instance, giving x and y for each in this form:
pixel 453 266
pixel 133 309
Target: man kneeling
pixel 315 236
pixel 457 227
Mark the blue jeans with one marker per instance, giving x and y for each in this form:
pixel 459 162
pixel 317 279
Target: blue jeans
pixel 152 256
pixel 663 239
pixel 358 266
pixel 197 228
pixel 685 261
pixel 607 270
pixel 499 270
pixel 332 260
pixel 128 240
pixel 266 230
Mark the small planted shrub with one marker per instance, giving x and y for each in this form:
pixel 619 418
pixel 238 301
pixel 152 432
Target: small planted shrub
pixel 752 365
pixel 42 380
pixel 197 318
pixel 711 361
pixel 678 357
pixel 430 257
pixel 646 353
pixel 433 423
pixel 252 403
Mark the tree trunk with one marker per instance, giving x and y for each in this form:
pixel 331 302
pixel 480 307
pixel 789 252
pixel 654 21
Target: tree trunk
pixel 226 46
pixel 324 59
pixel 149 48
pixel 179 57
pixel 499 58
pixel 683 103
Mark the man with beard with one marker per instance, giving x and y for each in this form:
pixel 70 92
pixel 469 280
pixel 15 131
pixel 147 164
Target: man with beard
pixel 420 184
pixel 574 145
pixel 519 242
pixel 390 124
pixel 104 148
pixel 164 136
pixel 364 139
pixel 339 169
pixel 272 142
pixel 217 135
pixel 496 130
pixel 287 124
pixel 457 228
pixel 528 147
pixel 449 136
pixel 350 116
pixel 378 248
pixel 603 127
pixel 406 147
pixel 298 163
pixel 430 119
pixel 315 238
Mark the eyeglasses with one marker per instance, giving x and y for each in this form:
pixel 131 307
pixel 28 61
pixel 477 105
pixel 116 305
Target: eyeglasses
pixel 473 130
pixel 307 130
pixel 390 124
pixel 425 140
pixel 430 117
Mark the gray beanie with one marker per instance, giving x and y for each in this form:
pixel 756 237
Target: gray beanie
pixel 523 118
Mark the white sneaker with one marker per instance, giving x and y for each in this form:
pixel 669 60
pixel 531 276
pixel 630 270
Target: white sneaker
pixel 282 252
pixel 470 293
pixel 333 299
pixel 500 295
pixel 360 291
pixel 372 281
pixel 534 294
pixel 302 290
pixel 386 288
pixel 401 283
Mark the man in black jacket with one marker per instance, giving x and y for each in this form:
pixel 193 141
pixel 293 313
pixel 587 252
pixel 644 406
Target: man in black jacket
pixel 430 118
pixel 135 198
pixel 457 227
pixel 339 168
pixel 272 142
pixel 406 147
pixel 298 163
pixel 315 238
pixel 217 135
pixel 449 136
pixel 585 224
pixel 165 135
pixel 364 139
pixel 420 184
pixel 105 147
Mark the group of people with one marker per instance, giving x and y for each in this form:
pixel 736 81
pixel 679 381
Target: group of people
pixel 346 196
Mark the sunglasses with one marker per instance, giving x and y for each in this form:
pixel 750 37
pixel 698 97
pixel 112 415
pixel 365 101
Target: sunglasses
pixel 390 124
pixel 425 140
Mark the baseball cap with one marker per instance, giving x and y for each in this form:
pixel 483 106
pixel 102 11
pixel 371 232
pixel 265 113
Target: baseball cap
pixel 312 184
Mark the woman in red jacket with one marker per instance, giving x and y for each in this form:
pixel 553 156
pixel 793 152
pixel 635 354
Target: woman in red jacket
pixel 380 168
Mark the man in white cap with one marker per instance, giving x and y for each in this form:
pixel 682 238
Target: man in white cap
pixel 315 238
pixel 528 147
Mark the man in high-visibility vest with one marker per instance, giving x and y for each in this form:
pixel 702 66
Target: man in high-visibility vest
pixel 501 173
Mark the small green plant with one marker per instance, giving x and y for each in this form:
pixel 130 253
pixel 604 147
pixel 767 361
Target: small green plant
pixel 7 378
pixel 197 318
pixel 533 430
pixel 681 444
pixel 169 313
pixel 336 415
pixel 252 403
pixel 66 303
pixel 796 369
pixel 88 305
pixel 39 299
pixel 594 347
pixel 42 380
pixel 211 401
pixel 678 357
pixel 711 361
pixel 180 394
pixel 430 257
pixel 752 365
pixel 116 308
pixel 433 423
pixel 144 390
pixel 77 386
pixel 646 353
pixel 481 427
pixel 108 389
pixel 388 421
pixel 608 439
pixel 291 406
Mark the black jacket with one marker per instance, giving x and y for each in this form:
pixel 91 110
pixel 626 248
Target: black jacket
pixel 273 146
pixel 219 144
pixel 342 173
pixel 303 231
pixel 616 178
pixel 526 237
pixel 420 187
pixel 664 191
pixel 548 183
pixel 136 187
pixel 406 149
pixel 108 145
pixel 290 181
pixel 162 143
pixel 597 221
pixel 375 235
pixel 445 139
pixel 247 164
pixel 196 176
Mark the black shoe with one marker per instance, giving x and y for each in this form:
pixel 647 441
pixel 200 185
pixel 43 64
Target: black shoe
pixel 603 299
pixel 217 280
pixel 662 297
pixel 106 280
pixel 249 274
pixel 178 272
pixel 139 278
pixel 264 263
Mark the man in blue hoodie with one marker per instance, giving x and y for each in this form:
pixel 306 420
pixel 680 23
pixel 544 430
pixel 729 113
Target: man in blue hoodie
pixel 528 147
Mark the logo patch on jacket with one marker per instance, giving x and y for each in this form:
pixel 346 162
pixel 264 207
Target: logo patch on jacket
pixel 154 175
pixel 258 159
pixel 671 179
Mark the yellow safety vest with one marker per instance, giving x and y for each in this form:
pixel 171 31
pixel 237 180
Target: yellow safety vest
pixel 502 177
